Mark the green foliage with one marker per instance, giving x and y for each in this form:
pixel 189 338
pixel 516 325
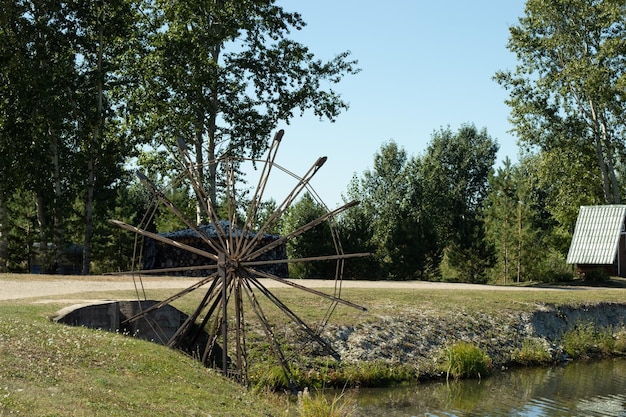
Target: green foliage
pixel 390 221
pixel 566 93
pixel 414 209
pixel 619 345
pixel 550 266
pixel 333 375
pixel 320 405
pixel 454 176
pixel 596 276
pixel 269 377
pixel 80 101
pixel 586 340
pixel 316 242
pixel 532 352
pixel 22 229
pixel 465 360
pixel 113 247
pixel 508 219
pixel 62 82
pixel 223 75
pixel 471 256
pixel 355 230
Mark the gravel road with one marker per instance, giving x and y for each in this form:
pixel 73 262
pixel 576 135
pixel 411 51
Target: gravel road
pixel 12 288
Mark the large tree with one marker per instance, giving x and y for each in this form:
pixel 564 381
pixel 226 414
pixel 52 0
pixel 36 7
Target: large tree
pixel 508 222
pixel 106 33
pixel 454 175
pixel 455 171
pixel 59 63
pixel 38 73
pixel 222 74
pixel 568 87
pixel 390 220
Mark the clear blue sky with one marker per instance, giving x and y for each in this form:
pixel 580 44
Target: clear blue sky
pixel 424 65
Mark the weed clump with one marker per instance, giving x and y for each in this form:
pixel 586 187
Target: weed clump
pixel 585 340
pixel 320 405
pixel 531 353
pixel 464 360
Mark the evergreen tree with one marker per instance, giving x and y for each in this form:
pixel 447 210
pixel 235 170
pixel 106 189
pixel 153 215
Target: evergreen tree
pixel 509 223
pixel 318 241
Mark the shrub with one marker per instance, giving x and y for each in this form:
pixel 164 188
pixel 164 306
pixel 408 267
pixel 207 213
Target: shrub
pixel 319 405
pixel 464 360
pixel 532 352
pixel 598 275
pixel 552 267
pixel 585 340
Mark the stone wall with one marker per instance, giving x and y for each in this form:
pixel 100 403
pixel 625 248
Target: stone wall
pixel 156 326
pixel 159 255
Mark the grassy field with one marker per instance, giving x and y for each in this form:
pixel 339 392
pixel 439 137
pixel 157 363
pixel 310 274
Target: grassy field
pixel 48 369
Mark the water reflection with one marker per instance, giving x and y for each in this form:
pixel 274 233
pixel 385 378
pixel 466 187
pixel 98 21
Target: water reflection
pixel 580 389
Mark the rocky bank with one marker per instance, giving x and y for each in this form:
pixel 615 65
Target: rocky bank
pixel 419 339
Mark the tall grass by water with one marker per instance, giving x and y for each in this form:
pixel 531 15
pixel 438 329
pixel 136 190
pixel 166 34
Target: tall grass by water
pixel 465 360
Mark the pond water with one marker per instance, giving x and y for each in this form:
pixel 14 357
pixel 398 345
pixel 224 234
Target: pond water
pixel 579 389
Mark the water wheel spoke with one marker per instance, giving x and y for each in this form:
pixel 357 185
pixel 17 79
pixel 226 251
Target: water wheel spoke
pixel 166 270
pixel 269 333
pixel 284 206
pixel 257 198
pixel 298 232
pixel 307 259
pixel 334 299
pixel 240 334
pixel 172 208
pixel 295 318
pixel 165 240
pixel 217 312
pixel 172 298
pixel 196 183
pixel 184 329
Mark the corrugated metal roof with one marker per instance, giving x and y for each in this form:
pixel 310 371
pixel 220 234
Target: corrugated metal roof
pixel 596 236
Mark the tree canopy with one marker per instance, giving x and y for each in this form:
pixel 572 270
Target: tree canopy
pixel 221 75
pixel 567 91
pixel 86 84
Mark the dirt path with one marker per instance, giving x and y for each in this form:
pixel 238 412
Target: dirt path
pixel 34 286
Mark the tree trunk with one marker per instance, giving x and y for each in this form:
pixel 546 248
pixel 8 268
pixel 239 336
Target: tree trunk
pixel 596 129
pixel 519 241
pixel 91 174
pixel 41 253
pixel 57 220
pixel 211 132
pixel 200 171
pixel 608 150
pixel 89 213
pixel 4 233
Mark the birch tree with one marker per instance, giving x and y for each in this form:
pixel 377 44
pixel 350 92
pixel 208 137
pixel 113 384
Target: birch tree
pixel 568 86
pixel 222 74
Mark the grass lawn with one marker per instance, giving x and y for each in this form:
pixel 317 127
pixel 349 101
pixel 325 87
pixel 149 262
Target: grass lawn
pixel 48 369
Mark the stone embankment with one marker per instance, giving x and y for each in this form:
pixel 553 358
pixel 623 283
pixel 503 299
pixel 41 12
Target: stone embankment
pixel 419 339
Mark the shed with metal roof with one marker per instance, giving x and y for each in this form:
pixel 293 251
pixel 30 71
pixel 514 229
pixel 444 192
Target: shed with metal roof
pixel 599 240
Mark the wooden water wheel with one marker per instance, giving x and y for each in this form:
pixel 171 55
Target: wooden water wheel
pixel 235 268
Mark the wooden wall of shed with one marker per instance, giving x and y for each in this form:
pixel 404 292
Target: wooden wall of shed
pixel 610 270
